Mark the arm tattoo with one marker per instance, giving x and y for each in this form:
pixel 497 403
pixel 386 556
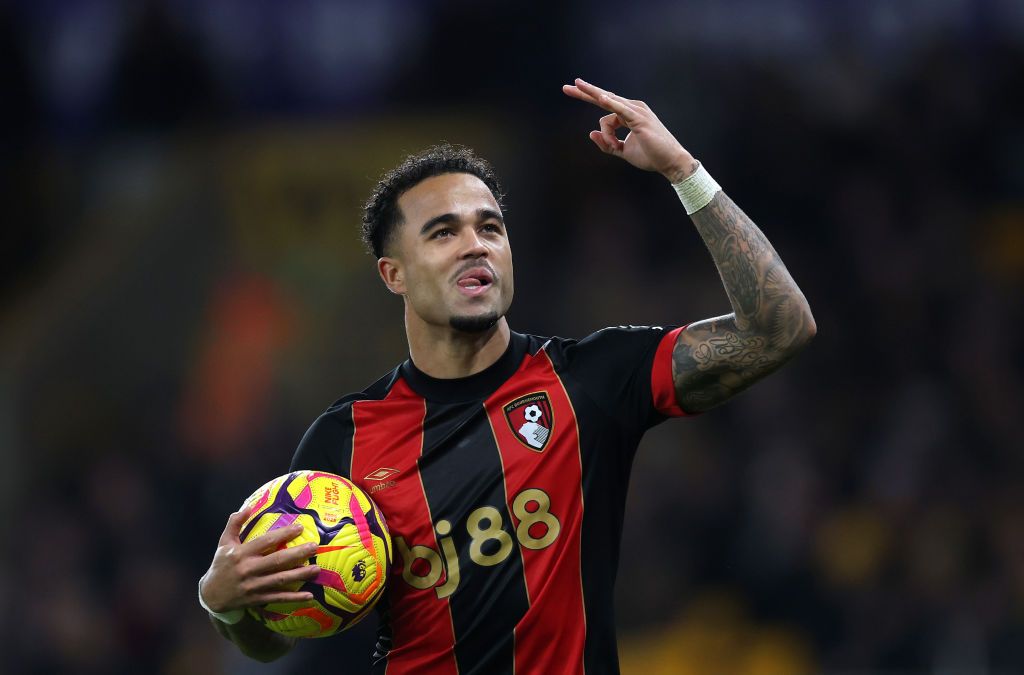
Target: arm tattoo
pixel 717 358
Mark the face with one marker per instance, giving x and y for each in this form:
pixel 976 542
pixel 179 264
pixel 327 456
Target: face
pixel 450 256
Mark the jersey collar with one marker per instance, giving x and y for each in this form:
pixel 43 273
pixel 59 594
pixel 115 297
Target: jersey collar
pixel 473 388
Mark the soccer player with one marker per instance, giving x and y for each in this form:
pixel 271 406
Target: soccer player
pixel 501 459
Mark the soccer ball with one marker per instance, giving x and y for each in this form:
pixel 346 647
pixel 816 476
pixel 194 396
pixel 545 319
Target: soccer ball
pixel 354 551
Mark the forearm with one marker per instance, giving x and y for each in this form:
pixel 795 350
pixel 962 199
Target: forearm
pixel 713 359
pixel 765 299
pixel 254 640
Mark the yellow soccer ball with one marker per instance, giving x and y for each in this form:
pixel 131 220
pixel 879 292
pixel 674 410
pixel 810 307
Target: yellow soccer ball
pixel 354 550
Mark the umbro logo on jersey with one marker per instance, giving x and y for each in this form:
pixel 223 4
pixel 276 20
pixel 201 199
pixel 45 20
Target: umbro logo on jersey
pixel 382 473
pixel 531 420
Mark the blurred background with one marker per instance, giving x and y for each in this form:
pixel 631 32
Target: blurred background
pixel 184 292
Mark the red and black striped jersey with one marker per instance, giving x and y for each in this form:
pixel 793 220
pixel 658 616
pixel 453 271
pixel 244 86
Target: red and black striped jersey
pixel 504 493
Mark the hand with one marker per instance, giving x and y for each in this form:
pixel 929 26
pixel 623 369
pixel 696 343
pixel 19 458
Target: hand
pixel 256 572
pixel 648 145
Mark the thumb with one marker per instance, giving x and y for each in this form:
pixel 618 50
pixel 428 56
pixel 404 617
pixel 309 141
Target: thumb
pixel 601 142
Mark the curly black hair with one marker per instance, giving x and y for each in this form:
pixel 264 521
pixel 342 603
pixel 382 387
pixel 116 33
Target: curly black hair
pixel 381 212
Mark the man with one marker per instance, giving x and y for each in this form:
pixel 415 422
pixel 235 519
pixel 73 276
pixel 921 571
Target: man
pixel 501 460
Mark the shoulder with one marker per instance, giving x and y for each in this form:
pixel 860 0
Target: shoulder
pixel 340 412
pixel 611 342
pixel 326 445
pixel 375 392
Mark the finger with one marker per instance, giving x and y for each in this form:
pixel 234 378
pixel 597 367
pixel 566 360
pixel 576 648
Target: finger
pixel 286 559
pixel 584 91
pixel 283 596
pixel 282 580
pixel 609 100
pixel 575 92
pixel 234 527
pixel 599 141
pixel 627 112
pixel 609 124
pixel 270 541
pixel 590 89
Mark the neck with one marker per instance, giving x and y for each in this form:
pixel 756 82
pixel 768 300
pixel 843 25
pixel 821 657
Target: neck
pixel 445 353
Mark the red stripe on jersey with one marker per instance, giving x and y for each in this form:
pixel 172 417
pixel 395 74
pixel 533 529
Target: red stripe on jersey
pixel 663 388
pixel 389 433
pixel 551 635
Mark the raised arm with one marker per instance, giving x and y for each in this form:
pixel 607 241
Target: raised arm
pixel 771 321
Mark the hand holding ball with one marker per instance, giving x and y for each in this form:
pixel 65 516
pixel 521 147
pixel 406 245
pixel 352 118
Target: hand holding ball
pixel 353 550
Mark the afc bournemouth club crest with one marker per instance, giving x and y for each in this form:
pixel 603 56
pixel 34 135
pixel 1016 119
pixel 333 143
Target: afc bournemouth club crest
pixel 531 420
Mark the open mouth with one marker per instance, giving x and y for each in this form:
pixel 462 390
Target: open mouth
pixel 475 281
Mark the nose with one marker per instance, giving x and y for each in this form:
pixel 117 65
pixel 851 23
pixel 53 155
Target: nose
pixel 474 246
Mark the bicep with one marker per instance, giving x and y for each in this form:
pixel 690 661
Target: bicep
pixel 713 360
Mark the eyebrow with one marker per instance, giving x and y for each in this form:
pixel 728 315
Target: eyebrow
pixel 451 219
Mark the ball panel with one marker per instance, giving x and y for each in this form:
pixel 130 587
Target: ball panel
pixel 261 499
pixel 299 620
pixel 350 572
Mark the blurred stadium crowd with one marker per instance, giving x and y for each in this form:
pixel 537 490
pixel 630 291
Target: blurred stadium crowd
pixel 184 292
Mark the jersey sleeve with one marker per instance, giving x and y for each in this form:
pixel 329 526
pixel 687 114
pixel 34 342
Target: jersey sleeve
pixel 325 444
pixel 627 370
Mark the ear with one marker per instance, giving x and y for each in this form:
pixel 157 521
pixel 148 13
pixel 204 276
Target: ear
pixel 392 274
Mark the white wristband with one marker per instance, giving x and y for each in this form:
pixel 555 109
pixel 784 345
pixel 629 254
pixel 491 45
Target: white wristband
pixel 230 617
pixel 696 190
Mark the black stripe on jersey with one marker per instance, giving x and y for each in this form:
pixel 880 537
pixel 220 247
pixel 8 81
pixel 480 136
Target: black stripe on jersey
pixel 601 531
pixel 327 444
pixel 484 640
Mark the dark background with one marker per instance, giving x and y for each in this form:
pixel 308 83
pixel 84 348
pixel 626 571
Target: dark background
pixel 184 292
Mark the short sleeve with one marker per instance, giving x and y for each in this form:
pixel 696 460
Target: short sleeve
pixel 627 370
pixel 325 444
pixel 663 387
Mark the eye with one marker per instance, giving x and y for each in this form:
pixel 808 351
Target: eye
pixel 492 227
pixel 441 232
